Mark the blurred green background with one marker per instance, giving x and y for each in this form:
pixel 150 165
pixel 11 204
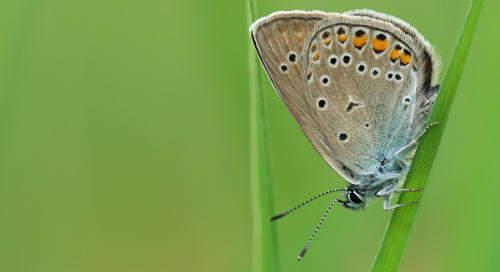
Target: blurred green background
pixel 124 144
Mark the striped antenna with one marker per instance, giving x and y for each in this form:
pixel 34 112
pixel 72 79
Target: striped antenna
pixel 293 209
pixel 301 255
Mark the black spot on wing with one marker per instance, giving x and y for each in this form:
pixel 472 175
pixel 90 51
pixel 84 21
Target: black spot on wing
pixel 351 106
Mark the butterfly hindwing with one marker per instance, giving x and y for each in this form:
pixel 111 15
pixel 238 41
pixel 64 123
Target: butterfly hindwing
pixel 357 86
pixel 427 65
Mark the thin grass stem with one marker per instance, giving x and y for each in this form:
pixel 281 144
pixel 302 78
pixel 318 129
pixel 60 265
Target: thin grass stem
pixel 265 240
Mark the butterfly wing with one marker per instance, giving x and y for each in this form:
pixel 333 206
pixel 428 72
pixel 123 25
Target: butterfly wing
pixel 279 40
pixel 368 82
pixel 428 65
pixel 322 66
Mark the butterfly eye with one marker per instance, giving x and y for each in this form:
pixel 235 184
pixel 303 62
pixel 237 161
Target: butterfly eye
pixel 353 197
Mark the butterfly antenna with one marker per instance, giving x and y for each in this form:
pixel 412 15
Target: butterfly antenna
pixel 301 255
pixel 293 209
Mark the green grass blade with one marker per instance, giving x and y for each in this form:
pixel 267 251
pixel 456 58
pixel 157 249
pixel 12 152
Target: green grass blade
pixel 395 238
pixel 265 239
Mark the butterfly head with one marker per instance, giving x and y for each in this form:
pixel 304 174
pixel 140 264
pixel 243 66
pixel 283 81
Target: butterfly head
pixel 355 199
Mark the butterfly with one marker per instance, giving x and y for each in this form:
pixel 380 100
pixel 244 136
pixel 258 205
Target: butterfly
pixel 360 85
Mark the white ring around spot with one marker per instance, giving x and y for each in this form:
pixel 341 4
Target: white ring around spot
pixel 390 73
pixel 342 59
pixel 296 57
pixel 406 102
pixel 330 61
pixel 401 75
pixel 326 103
pixel 323 77
pixel 364 70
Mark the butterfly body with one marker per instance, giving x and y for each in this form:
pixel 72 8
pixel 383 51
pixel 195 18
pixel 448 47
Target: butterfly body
pixel 360 85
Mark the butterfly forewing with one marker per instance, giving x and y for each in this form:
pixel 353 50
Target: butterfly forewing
pixel 276 38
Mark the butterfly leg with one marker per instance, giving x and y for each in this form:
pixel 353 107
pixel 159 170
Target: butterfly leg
pixel 400 154
pixel 387 203
pixel 388 191
pixel 406 190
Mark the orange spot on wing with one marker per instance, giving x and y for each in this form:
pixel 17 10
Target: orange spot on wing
pixel 379 45
pixel 316 56
pixel 360 41
pixel 405 57
pixel 327 42
pixel 342 38
pixel 395 54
